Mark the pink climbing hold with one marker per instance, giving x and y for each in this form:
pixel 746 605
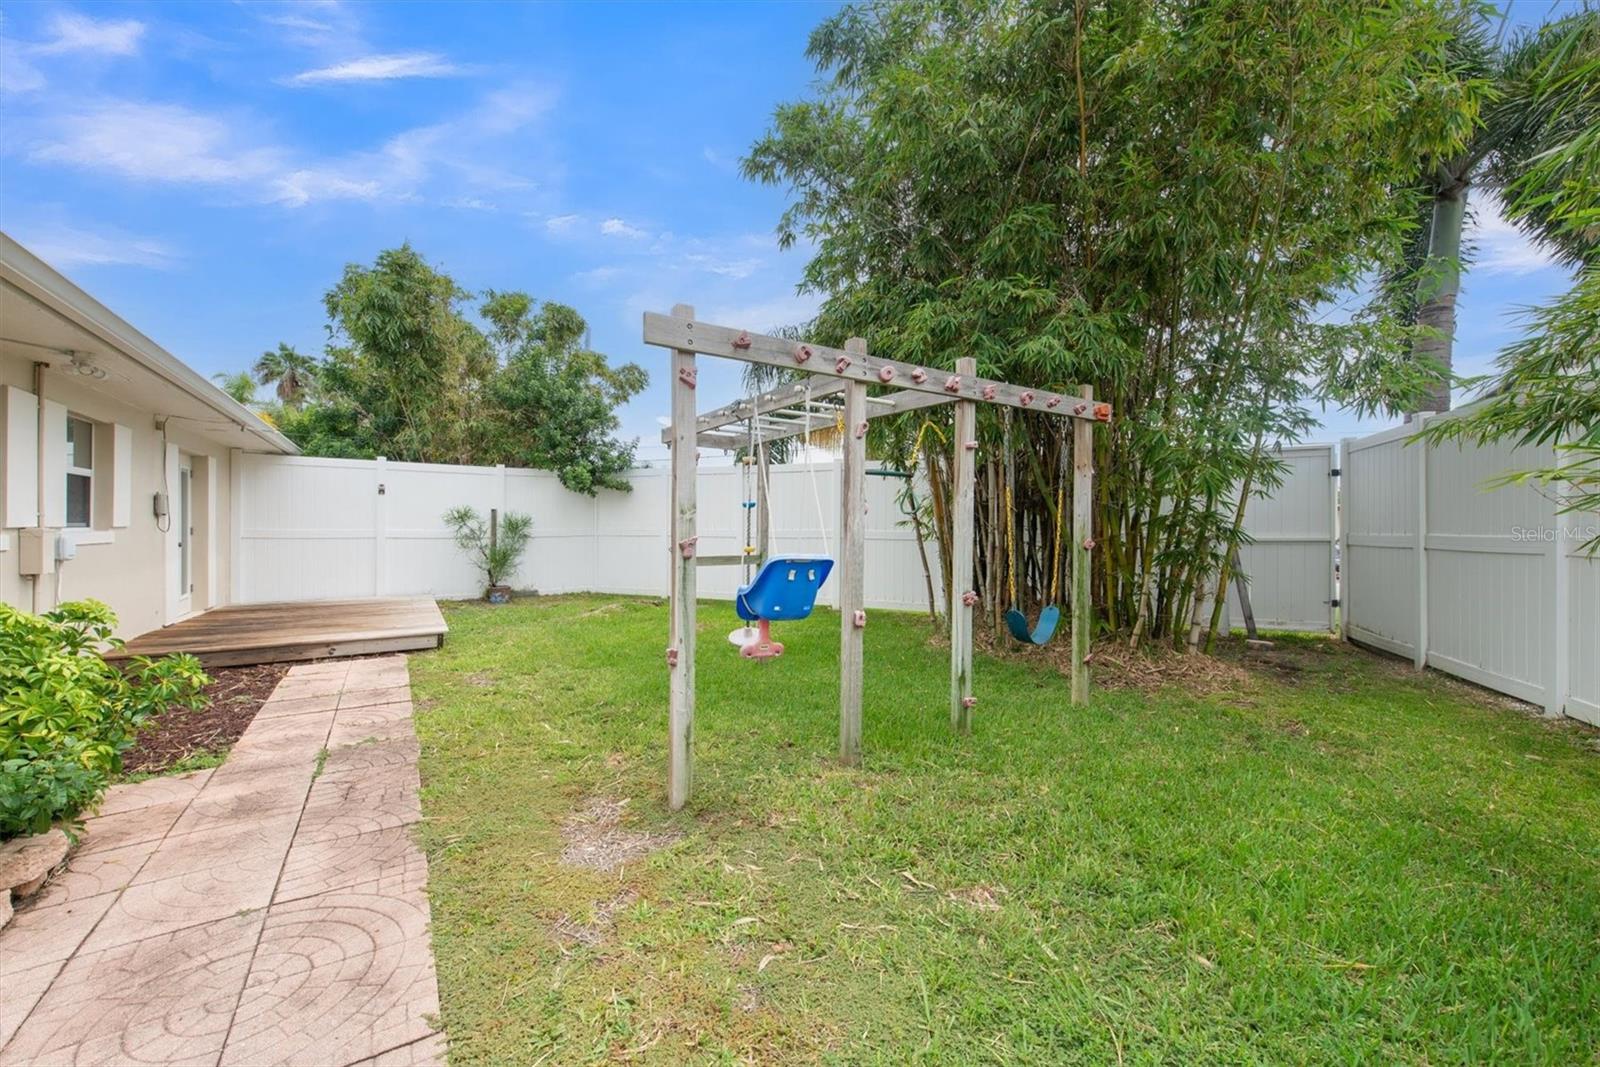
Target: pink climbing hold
pixel 969 702
pixel 1052 402
pixel 672 657
pixel 970 597
pixel 841 364
pixel 988 392
pixel 861 431
pixel 802 353
pixel 1026 397
pixel 686 546
pixel 919 375
pixel 742 341
pixel 686 375
pixel 952 384
pixel 861 619
pixel 886 374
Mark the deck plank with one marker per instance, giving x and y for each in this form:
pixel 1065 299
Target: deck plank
pixel 243 634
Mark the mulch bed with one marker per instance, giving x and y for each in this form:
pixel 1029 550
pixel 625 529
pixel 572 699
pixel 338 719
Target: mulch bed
pixel 235 695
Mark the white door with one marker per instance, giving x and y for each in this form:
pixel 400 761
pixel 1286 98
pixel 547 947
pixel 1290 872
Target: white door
pixel 184 520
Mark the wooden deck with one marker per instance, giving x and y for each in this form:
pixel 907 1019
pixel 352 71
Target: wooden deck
pixel 301 630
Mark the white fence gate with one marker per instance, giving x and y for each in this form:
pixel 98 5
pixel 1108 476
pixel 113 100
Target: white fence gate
pixel 1289 562
pixel 1486 584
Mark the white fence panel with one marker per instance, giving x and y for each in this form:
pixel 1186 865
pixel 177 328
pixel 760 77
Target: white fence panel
pixel 1484 583
pixel 321 528
pixel 1289 564
pixel 1379 601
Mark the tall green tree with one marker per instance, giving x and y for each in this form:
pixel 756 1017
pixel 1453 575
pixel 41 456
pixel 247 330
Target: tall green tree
pixel 1546 389
pixel 238 385
pixel 411 374
pixel 292 374
pixel 1156 198
pixel 1512 128
pixel 554 398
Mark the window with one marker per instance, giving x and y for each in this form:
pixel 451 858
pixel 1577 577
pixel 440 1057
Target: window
pixel 80 470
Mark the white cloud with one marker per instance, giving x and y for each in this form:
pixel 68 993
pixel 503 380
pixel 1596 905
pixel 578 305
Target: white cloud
pixel 175 144
pixel 597 275
pixel 17 75
pixel 78 33
pixel 65 247
pixel 154 142
pixel 736 269
pixel 615 227
pixel 561 224
pixel 299 188
pixel 1501 247
pixel 764 316
pixel 380 68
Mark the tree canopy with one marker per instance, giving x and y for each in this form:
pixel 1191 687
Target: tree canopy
pixel 412 374
pixel 1160 199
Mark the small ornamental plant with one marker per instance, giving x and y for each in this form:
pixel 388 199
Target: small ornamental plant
pixel 67 715
pixel 495 546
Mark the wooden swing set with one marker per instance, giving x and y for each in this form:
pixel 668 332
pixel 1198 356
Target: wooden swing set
pixel 834 392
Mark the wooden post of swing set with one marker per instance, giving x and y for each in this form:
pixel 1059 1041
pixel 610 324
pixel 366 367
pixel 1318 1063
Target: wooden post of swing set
pixel 964 467
pixel 1082 546
pixel 680 648
pixel 852 564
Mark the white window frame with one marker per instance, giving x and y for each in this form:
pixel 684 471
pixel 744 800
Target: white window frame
pixel 73 471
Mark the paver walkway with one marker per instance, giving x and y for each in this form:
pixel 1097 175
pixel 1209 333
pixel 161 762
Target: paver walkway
pixel 270 911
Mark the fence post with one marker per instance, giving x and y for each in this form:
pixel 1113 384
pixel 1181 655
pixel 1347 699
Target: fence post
pixel 1342 503
pixel 1420 658
pixel 380 528
pixel 1556 697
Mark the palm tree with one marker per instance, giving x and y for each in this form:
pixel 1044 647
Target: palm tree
pixel 238 385
pixel 1514 129
pixel 294 374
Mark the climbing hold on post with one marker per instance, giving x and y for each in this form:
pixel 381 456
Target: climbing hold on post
pixel 1102 412
pixel 742 341
pixel 988 392
pixel 686 375
pixel 1052 402
pixel 1088 543
pixel 969 702
pixel 672 656
pixel 841 364
pixel 802 353
pixel 919 375
pixel 686 546
pixel 952 384
pixel 886 374
pixel 1079 408
pixel 861 619
pixel 970 597
pixel 1026 397
pixel 861 431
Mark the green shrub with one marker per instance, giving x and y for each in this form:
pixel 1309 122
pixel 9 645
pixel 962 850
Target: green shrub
pixel 67 716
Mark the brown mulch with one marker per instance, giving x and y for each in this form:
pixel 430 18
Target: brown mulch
pixel 235 695
pixel 1115 666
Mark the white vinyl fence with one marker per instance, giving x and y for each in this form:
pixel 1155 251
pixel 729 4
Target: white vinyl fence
pixel 311 529
pixel 1484 583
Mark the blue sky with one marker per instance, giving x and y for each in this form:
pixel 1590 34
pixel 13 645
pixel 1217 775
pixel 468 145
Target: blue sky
pixel 207 170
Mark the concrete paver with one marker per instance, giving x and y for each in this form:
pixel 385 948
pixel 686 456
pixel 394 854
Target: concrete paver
pixel 270 911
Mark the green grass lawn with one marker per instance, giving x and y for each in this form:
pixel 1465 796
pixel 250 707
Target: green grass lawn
pixel 1344 862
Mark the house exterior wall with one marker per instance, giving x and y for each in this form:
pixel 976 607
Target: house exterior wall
pixel 126 560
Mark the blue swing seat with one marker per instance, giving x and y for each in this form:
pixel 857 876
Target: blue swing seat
pixel 1017 623
pixel 784 588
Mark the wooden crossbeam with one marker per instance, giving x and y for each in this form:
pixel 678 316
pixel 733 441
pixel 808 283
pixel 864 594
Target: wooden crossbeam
pixel 895 403
pixel 690 335
pixel 786 395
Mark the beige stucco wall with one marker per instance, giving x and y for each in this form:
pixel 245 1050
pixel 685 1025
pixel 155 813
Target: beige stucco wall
pixel 132 568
